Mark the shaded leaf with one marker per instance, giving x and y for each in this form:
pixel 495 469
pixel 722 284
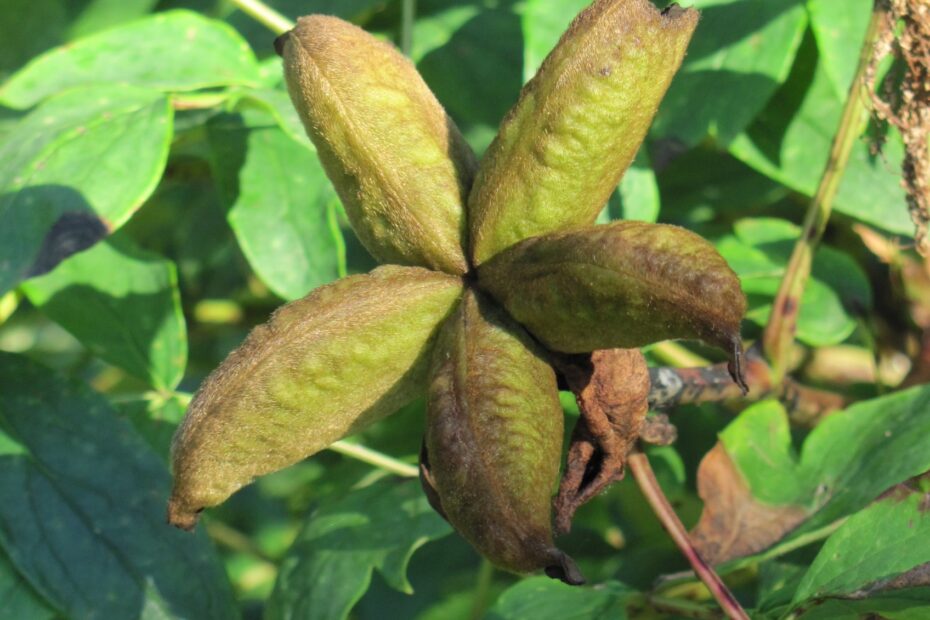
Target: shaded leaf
pixel 909 604
pixel 470 56
pixel 742 50
pixel 875 549
pixel 545 599
pixel 330 565
pixel 174 51
pixel 839 27
pixel 73 170
pixel 835 296
pixel 155 417
pixel 280 203
pixel 845 463
pixel 637 198
pixel 791 139
pixel 123 304
pixel 18 599
pixel 81 512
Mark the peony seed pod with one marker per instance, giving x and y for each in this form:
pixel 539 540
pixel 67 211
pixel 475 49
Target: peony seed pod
pixel 578 124
pixel 493 440
pixel 399 164
pixel 620 285
pixel 323 367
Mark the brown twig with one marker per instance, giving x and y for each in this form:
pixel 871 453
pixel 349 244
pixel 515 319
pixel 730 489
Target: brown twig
pixel 782 326
pixel 678 386
pixel 645 478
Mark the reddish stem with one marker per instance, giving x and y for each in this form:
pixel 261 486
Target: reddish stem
pixel 646 479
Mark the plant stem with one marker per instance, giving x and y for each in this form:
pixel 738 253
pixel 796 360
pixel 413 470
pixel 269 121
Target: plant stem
pixel 780 331
pixel 408 13
pixel 373 457
pixel 646 479
pixel 235 540
pixel 482 590
pixel 265 15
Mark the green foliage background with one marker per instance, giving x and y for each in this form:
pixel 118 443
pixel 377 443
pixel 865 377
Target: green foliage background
pixel 161 129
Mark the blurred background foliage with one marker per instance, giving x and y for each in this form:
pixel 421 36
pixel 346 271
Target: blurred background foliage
pixel 158 198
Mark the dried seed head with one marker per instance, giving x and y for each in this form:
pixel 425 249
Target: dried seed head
pixel 399 164
pixel 323 367
pixel 620 285
pixel 578 124
pixel 493 440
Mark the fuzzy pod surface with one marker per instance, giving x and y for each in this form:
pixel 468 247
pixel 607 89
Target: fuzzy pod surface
pixel 620 285
pixel 493 439
pixel 399 164
pixel 321 368
pixel 578 123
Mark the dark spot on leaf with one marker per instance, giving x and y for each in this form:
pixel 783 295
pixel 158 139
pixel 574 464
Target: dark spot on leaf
pixel 71 233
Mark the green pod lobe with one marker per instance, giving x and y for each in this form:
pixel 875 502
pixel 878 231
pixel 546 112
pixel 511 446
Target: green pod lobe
pixel 621 285
pixel 578 124
pixel 321 368
pixel 493 439
pixel 399 164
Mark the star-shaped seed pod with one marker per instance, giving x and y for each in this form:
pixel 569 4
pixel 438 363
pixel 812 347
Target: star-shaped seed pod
pixel 498 284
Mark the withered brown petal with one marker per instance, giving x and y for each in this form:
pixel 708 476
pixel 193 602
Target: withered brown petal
pixel 493 439
pixel 619 285
pixel 399 164
pixel 578 124
pixel 323 367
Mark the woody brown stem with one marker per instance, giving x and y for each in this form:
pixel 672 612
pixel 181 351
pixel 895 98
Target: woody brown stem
pixel 645 478
pixel 670 387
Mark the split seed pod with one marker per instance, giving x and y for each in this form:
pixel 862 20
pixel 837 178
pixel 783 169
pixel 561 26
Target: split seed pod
pixel 399 164
pixel 323 367
pixel 621 285
pixel 578 124
pixel 493 439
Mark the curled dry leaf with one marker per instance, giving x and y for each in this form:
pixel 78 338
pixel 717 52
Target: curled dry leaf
pixel 734 523
pixel 493 439
pixel 323 367
pixel 612 390
pixel 578 124
pixel 399 164
pixel 619 285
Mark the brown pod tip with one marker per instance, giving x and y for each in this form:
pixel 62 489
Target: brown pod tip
pixel 564 568
pixel 735 365
pixel 279 43
pixel 181 516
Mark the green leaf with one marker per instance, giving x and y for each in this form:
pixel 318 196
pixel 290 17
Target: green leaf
pixel 542 598
pixel 741 52
pixel 329 567
pixel 278 104
pixel 839 27
pixel 17 598
pixel 790 142
pixel 637 197
pixel 174 51
pixel 123 304
pixel 836 294
pixel 910 604
pixel 75 169
pixel 471 58
pixel 873 549
pixel 846 462
pixel 544 21
pixel 34 26
pixel 281 203
pixel 155 417
pixel 82 508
